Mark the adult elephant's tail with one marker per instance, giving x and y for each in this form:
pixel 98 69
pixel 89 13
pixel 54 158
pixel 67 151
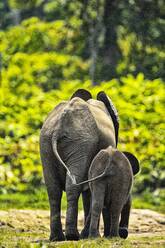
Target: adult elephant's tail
pixel 54 144
pixel 72 177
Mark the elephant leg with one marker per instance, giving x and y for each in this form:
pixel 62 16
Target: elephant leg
pixel 106 220
pixel 115 214
pixel 85 231
pixel 72 193
pixel 54 193
pixel 98 194
pixel 123 226
pixel 86 197
pixel 77 159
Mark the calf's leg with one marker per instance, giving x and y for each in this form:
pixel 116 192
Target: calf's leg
pixel 98 194
pixel 123 226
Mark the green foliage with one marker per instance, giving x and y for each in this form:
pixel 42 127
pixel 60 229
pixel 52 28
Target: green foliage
pixel 34 36
pixel 36 77
pixel 24 108
pixel 45 69
pixel 150 200
pixel 36 198
pixel 24 4
pixel 139 57
pixel 90 30
pixel 30 53
pixel 140 104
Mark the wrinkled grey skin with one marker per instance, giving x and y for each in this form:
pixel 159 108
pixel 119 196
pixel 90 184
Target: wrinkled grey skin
pixel 110 192
pixel 77 131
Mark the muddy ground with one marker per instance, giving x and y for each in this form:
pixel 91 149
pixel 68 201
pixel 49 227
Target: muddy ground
pixel 143 223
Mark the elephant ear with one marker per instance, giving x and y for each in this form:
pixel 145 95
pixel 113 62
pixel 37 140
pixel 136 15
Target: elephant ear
pixel 133 161
pixel 101 96
pixel 83 94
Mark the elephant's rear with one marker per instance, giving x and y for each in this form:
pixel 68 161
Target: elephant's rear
pixel 71 134
pixel 78 140
pixel 120 182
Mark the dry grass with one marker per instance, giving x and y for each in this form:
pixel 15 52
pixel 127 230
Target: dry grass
pixel 30 228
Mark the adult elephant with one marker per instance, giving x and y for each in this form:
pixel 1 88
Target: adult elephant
pixel 73 133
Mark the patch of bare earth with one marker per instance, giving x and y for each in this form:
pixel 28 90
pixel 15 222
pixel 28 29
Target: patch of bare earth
pixel 143 222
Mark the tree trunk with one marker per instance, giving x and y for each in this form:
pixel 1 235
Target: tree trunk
pixel 111 52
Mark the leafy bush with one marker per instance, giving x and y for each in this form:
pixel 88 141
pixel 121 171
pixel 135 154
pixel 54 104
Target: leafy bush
pixel 140 106
pixel 36 77
pixel 34 36
pixel 45 69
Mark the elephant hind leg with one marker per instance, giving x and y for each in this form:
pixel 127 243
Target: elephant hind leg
pixel 114 224
pixel 115 211
pixel 123 229
pixel 72 193
pixel 106 220
pixel 54 193
pixel 86 196
pixel 98 194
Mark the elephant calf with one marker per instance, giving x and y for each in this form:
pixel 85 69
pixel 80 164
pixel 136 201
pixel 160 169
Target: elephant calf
pixel 112 190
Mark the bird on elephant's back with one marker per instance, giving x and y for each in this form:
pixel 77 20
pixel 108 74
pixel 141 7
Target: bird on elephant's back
pixel 71 136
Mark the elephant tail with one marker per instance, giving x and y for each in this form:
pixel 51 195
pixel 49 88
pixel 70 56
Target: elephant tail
pixel 72 177
pixel 54 143
pixel 93 178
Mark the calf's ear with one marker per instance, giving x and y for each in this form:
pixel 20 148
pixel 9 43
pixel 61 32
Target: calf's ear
pixel 133 161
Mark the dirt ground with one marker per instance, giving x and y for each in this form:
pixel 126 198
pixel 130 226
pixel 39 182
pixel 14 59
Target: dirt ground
pixel 143 222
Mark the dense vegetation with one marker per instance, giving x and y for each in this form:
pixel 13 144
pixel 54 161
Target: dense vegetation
pixel 118 37
pixel 45 61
